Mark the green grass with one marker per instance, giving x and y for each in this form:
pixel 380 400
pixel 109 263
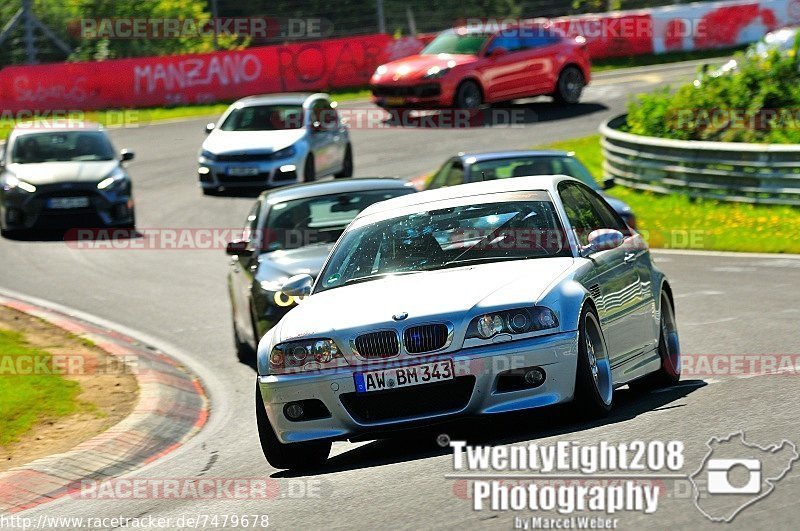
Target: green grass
pixel 27 396
pixel 613 63
pixel 676 222
pixel 142 117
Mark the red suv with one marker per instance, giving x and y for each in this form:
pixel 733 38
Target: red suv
pixel 466 67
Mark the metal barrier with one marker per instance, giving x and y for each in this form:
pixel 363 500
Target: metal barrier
pixel 726 171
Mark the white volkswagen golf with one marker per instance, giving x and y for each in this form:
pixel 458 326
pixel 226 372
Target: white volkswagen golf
pixel 476 299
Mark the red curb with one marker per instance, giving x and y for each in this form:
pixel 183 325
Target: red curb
pixel 168 396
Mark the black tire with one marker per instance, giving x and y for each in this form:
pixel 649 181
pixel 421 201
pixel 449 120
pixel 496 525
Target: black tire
pixel 244 350
pixel 468 95
pixel 347 165
pixel 302 455
pixel 210 191
pixel 594 389
pixel 669 373
pixel 309 169
pixel 569 86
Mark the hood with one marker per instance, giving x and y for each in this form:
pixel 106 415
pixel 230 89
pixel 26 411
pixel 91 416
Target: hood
pixel 416 66
pixel 219 141
pixel 279 265
pixel 43 173
pixel 453 294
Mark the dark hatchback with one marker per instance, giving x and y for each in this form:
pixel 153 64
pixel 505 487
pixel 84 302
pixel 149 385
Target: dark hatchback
pixel 290 231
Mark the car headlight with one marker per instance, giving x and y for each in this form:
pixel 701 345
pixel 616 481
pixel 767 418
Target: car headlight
pixel 284 153
pixel 116 181
pixel 208 155
pixel 380 71
pixel 14 183
pixel 305 355
pixel 516 321
pixel 435 72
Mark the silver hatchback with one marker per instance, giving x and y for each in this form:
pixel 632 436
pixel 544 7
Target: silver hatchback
pixel 273 140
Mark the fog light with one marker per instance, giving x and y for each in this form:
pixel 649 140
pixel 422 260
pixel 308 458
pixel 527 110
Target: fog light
pixel 294 410
pixel 286 168
pixel 202 170
pixel 534 377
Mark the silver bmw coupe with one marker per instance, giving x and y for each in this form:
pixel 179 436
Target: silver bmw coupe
pixel 470 300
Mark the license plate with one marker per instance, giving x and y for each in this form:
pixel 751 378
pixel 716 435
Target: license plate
pixel 243 171
pixel 395 101
pixel 382 380
pixel 63 203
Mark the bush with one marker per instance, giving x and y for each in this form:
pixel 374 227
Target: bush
pixel 758 102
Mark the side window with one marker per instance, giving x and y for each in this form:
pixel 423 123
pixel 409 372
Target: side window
pixel 508 39
pixel 451 174
pixel 581 213
pixel 324 114
pixel 610 218
pixel 250 232
pixel 538 38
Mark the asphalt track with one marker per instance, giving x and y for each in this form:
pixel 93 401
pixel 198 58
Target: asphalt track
pixel 726 305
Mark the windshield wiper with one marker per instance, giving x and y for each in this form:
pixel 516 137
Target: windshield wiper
pixel 477 259
pixel 377 276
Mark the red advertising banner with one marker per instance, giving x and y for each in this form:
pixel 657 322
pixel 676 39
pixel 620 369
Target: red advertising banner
pixel 201 78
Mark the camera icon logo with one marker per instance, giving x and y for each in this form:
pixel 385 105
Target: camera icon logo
pixel 735 474
pixel 719 481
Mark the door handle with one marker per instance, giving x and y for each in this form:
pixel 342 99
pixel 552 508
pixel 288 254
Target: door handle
pixel 629 257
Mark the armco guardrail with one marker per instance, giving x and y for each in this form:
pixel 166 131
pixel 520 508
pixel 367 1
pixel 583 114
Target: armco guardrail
pixel 727 171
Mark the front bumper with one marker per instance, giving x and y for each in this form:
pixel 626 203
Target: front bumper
pixel 422 95
pixel 473 392
pixel 256 174
pixel 23 211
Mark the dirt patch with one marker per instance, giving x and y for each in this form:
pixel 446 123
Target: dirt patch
pixel 107 395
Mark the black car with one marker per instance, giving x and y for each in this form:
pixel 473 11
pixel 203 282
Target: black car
pixel 289 231
pixel 64 178
pixel 473 167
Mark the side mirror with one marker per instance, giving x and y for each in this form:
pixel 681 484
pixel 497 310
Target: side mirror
pixel 238 248
pixel 126 155
pixel 498 52
pixel 603 240
pixel 210 127
pixel 298 286
pixel 609 183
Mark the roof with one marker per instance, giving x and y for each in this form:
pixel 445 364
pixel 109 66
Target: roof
pixel 494 155
pixel 514 184
pixel 333 186
pixel 296 98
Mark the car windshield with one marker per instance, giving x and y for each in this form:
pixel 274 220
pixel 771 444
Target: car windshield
pixel 264 118
pixel 540 165
pixel 514 226
pixel 321 219
pixel 62 147
pixel 456 43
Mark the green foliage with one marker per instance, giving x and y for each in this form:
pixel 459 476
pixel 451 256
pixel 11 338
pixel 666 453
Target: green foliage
pixel 758 102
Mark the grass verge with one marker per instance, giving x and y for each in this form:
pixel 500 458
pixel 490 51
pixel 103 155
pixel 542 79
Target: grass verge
pixel 613 63
pixel 27 398
pixel 674 221
pixel 141 117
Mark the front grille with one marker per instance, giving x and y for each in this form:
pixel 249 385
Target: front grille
pixel 425 338
pixel 258 178
pixel 375 345
pixel 420 400
pixel 428 90
pixel 244 157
